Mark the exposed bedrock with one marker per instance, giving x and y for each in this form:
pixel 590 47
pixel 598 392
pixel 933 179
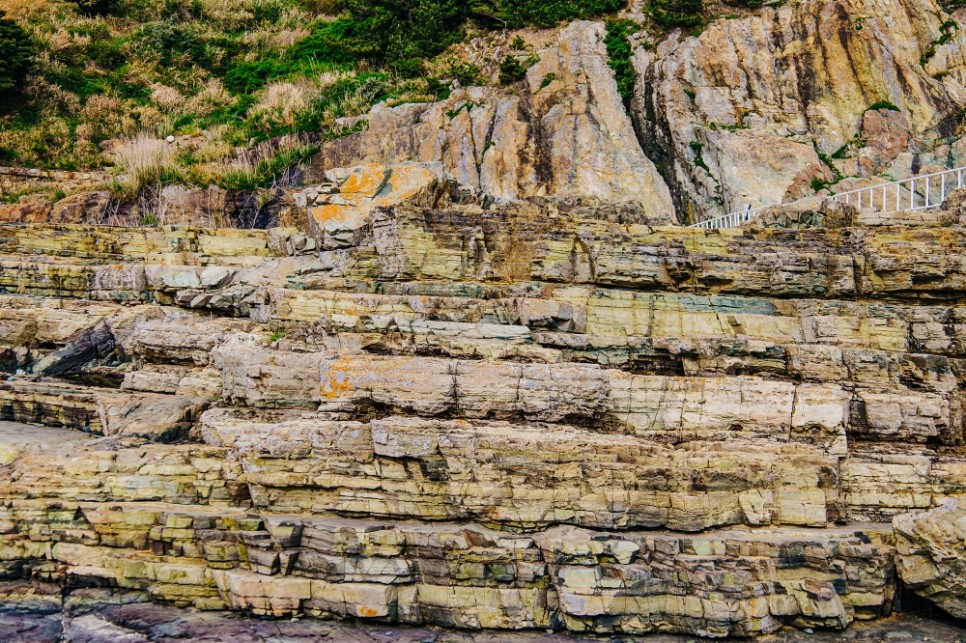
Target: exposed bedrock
pixel 524 416
pixel 565 132
pixel 487 381
pixel 758 109
pixel 750 111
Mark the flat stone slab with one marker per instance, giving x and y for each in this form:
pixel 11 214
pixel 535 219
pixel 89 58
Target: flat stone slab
pixel 35 438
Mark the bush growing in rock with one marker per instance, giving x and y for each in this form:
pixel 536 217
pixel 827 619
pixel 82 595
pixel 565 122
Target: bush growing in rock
pixel 512 69
pixel 673 14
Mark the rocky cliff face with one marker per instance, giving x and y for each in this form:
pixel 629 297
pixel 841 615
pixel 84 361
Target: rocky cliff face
pixel 563 131
pixel 757 99
pixel 486 382
pixel 756 110
pixel 514 417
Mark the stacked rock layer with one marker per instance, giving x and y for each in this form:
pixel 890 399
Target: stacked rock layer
pixel 515 417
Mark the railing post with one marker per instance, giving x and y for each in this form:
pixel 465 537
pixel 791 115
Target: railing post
pixel 927 192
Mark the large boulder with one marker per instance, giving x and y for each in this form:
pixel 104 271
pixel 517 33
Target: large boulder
pixel 337 219
pixel 931 555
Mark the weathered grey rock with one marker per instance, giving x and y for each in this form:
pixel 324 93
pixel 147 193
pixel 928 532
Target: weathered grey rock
pixel 931 555
pixel 733 113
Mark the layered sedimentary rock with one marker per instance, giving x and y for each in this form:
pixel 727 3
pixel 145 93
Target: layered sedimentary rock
pixel 539 415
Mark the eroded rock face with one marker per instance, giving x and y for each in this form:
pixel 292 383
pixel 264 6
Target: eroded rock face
pixel 425 406
pixel 564 132
pixel 932 555
pixel 344 210
pixel 737 114
pixel 539 415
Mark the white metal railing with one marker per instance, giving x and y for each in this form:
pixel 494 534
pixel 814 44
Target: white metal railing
pixel 916 193
pixel 730 220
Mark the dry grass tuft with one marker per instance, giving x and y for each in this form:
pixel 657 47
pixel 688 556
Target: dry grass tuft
pixel 143 162
pixel 167 98
pixel 280 103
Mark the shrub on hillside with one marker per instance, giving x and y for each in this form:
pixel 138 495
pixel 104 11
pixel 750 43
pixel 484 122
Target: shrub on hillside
pixel 168 39
pixel 98 7
pixel 17 52
pixel 407 31
pixel 403 33
pixel 547 13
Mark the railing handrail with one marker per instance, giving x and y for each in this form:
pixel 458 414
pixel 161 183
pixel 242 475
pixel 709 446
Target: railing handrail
pixel 742 216
pixel 738 217
pixel 879 186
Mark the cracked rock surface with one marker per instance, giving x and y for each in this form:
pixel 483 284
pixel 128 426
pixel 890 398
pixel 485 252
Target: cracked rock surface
pixel 512 417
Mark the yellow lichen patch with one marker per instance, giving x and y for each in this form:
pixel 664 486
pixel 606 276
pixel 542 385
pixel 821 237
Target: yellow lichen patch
pixel 332 213
pixel 336 383
pixel 365 182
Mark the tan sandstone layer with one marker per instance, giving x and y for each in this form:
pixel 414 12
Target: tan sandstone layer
pixel 513 417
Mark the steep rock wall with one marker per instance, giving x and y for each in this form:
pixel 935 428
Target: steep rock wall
pixel 739 114
pixel 511 417
pixel 563 132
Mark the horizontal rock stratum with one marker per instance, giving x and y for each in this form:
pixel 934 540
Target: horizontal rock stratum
pixel 517 416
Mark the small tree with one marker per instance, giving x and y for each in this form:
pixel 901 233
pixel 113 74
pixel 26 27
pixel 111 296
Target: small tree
pixel 17 51
pixel 671 14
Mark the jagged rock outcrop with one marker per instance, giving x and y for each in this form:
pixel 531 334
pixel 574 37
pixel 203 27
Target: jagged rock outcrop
pixel 932 555
pixel 738 114
pixel 758 109
pixel 563 132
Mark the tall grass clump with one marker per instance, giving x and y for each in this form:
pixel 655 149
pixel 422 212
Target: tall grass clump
pixel 143 162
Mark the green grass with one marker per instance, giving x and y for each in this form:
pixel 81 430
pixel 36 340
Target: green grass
pixel 265 172
pixel 202 69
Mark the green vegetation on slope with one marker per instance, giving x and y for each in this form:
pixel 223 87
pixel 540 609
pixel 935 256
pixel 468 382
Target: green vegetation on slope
pixel 94 82
pixel 619 52
pixel 227 74
pixel 16 47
